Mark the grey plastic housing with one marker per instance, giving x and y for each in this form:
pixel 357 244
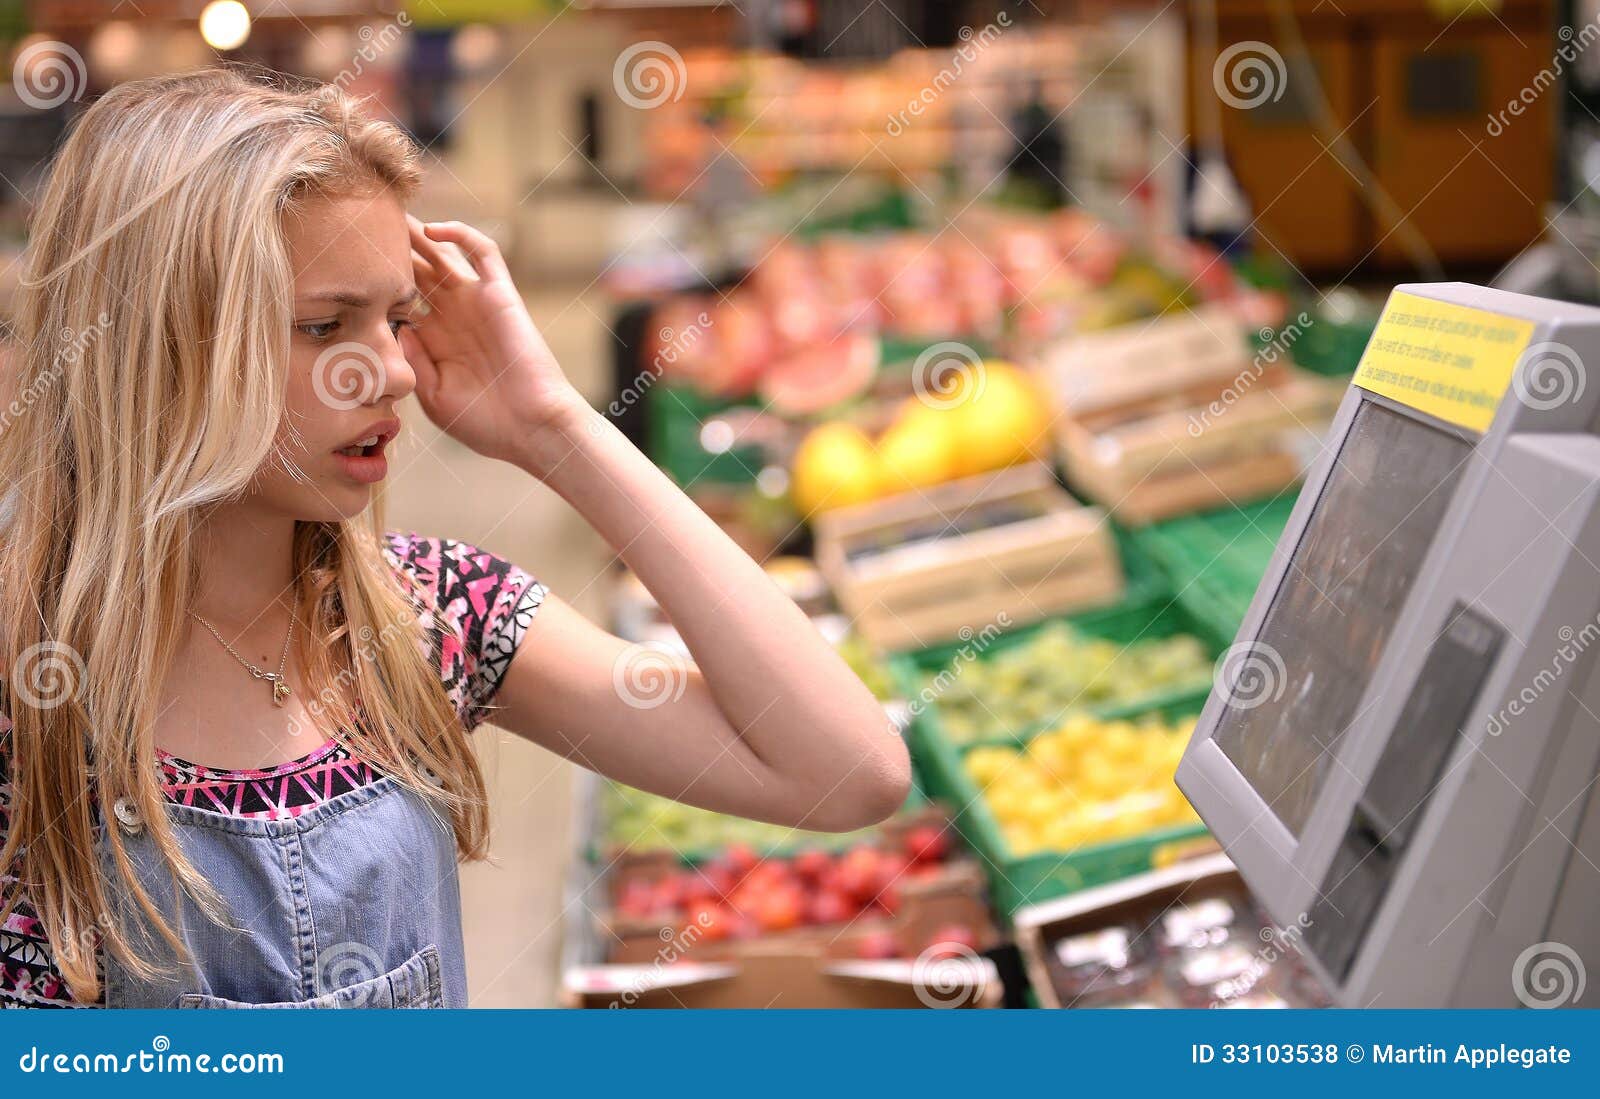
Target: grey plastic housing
pixel 1497 859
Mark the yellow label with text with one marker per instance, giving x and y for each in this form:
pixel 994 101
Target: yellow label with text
pixel 1450 361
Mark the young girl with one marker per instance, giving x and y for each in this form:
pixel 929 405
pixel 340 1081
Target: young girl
pixel 225 305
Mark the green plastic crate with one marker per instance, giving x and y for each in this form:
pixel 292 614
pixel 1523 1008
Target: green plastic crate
pixel 891 212
pixel 798 841
pixel 1215 561
pixel 1147 617
pixel 899 353
pixel 1332 346
pixel 675 415
pixel 1017 880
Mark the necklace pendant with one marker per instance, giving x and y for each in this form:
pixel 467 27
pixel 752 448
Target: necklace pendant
pixel 280 692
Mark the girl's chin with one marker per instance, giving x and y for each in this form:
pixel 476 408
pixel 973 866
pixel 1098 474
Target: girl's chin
pixel 335 504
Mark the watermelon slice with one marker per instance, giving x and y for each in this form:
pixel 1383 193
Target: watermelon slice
pixel 818 377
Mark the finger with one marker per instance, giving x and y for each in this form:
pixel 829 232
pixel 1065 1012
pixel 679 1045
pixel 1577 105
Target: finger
pixel 427 277
pixel 480 248
pixel 443 259
pixel 422 364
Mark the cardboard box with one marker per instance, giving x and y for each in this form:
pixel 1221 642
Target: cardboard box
pixel 1265 970
pixel 919 568
pixel 1173 416
pixel 784 978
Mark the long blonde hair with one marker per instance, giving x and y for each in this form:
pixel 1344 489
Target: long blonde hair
pixel 148 383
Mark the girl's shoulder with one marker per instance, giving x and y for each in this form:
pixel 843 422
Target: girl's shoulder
pixel 475 605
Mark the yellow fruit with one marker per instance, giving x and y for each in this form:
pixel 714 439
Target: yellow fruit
pixel 918 450
pixel 1122 744
pixel 1084 783
pixel 985 765
pixel 835 467
pixel 1039 809
pixel 1064 834
pixel 1023 840
pixel 1051 755
pixel 1001 420
pixel 1005 804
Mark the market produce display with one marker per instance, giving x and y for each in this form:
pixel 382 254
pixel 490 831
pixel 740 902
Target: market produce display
pixel 993 416
pixel 801 329
pixel 637 821
pixel 739 894
pixel 941 490
pixel 1086 782
pixel 1056 671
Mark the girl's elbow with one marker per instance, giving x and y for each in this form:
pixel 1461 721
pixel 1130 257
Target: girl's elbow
pixel 878 791
pixel 889 792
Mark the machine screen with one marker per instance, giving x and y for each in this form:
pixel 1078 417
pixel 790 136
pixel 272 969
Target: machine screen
pixel 1325 629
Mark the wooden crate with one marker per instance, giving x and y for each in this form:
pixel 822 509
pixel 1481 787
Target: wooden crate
pixel 1173 416
pixel 908 582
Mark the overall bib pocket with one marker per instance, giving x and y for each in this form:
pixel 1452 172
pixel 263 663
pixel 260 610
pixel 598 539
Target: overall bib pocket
pixel 318 912
pixel 415 984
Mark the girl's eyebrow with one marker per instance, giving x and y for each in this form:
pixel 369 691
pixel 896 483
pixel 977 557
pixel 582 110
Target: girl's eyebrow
pixel 355 300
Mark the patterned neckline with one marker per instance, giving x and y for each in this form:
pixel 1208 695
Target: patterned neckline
pixel 201 772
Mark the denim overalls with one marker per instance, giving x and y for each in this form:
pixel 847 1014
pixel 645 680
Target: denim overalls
pixel 354 903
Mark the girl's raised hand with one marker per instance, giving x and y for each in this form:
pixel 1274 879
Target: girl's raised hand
pixel 484 373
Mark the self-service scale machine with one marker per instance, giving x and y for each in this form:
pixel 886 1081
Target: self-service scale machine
pixel 1402 752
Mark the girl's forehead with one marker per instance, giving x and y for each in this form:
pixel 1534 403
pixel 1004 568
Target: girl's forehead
pixel 349 240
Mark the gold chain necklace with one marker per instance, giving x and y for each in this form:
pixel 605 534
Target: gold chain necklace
pixel 280 687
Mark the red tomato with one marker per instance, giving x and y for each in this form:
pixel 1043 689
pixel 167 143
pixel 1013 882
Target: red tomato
pixel 708 922
pixel 953 938
pixel 927 843
pixel 740 859
pixel 812 865
pixel 780 910
pixel 859 873
pixel 830 906
pixel 637 899
pixel 878 945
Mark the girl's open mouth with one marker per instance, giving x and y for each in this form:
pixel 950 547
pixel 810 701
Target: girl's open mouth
pixel 363 459
pixel 366 448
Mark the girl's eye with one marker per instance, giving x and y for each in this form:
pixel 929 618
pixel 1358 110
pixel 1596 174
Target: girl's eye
pixel 318 331
pixel 397 323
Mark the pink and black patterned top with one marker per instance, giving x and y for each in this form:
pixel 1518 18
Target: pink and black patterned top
pixel 475 607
